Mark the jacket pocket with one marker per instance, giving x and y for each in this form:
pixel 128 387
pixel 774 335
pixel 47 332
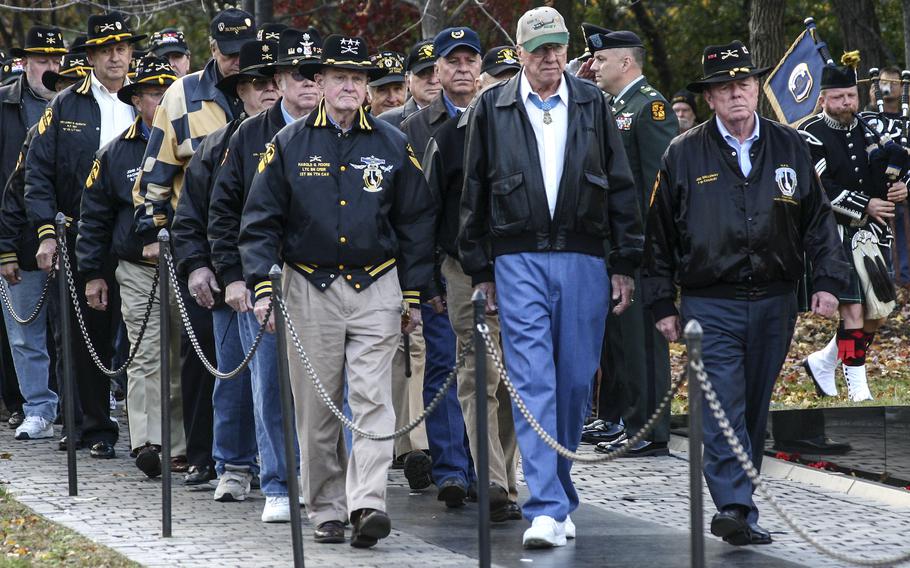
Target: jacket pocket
pixel 592 204
pixel 510 209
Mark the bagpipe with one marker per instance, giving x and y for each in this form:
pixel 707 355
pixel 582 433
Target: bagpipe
pixel 889 154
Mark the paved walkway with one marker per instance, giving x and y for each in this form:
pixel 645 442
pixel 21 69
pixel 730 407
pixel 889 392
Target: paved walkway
pixel 633 508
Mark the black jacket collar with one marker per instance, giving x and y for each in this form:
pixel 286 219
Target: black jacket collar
pixel 13 94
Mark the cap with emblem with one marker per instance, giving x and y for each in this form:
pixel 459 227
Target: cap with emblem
pixel 838 77
pixel 270 31
pixel 345 52
pixel 41 40
pixel 450 38
pixel 167 41
pixel 724 63
pixel 684 96
pixel 590 30
pixel 232 28
pixel 74 67
pixel 499 60
pixel 151 71
pixel 392 65
pixel 298 49
pixel 11 70
pixel 256 56
pixel 421 57
pixel 614 40
pixel 540 26
pixel 113 27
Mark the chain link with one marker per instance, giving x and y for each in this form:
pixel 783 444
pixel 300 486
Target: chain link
pixel 191 333
pixel 547 438
pixel 752 473
pixel 68 270
pixel 4 294
pixel 327 400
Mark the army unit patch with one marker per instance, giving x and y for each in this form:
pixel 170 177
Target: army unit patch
pixel 658 110
pixel 267 157
pixel 93 174
pixel 45 121
pixel 373 168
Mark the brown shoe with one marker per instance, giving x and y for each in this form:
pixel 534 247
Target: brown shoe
pixel 179 464
pixel 329 532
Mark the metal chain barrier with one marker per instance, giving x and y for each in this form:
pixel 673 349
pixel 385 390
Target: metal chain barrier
pixel 327 400
pixel 547 438
pixel 749 468
pixel 4 294
pixel 74 295
pixel 191 333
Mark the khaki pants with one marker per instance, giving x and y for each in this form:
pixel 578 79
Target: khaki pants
pixel 503 447
pixel 143 390
pixel 407 393
pixel 345 333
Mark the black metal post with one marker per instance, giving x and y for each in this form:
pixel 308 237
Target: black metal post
pixel 69 387
pixel 482 457
pixel 696 437
pixel 287 418
pixel 164 302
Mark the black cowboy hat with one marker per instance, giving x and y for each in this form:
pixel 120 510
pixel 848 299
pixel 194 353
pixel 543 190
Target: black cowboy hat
pixel 74 67
pixel 256 56
pixel 270 31
pixel 297 49
pixel 723 63
pixel 151 71
pixel 113 27
pixel 41 40
pixel 344 52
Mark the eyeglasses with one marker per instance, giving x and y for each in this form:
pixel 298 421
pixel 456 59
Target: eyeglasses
pixel 545 49
pixel 261 84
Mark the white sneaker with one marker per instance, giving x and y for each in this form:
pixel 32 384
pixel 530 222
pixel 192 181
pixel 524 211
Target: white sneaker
pixel 821 365
pixel 276 510
pixel 569 527
pixel 857 386
pixel 234 484
pixel 34 428
pixel 545 532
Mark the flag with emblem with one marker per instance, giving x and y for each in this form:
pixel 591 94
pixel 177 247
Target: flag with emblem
pixel 792 87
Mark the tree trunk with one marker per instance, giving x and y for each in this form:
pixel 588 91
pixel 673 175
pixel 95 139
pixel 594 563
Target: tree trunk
pixel 434 18
pixel 658 50
pixel 906 8
pixel 265 13
pixel 766 38
pixel 859 24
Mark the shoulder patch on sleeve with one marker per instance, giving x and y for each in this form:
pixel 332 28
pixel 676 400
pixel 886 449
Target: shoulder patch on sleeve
pixel 654 190
pixel 46 120
pixel 93 174
pixel 413 157
pixel 267 157
pixel 658 110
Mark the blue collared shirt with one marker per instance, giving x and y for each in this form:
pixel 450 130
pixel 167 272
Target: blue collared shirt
pixel 287 116
pixel 144 129
pixel 450 106
pixel 742 150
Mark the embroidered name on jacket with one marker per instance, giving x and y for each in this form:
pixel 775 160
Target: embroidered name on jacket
pixel 314 167
pixel 707 178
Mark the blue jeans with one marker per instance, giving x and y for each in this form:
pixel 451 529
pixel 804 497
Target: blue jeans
pixel 744 347
pixel 267 408
pixel 553 311
pixel 234 430
pixel 445 426
pixel 28 344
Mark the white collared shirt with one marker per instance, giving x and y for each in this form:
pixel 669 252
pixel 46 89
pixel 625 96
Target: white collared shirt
pixel 551 138
pixel 115 115
pixel 741 150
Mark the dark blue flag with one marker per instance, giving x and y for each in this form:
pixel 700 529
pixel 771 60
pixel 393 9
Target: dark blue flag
pixel 792 87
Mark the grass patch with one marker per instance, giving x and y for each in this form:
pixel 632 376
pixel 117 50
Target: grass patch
pixel 30 540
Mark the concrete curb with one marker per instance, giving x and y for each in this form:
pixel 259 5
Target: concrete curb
pixel 832 481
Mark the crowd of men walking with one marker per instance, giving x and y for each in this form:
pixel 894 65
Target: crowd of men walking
pixel 390 187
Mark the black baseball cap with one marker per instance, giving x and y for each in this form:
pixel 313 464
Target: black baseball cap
pixel 422 55
pixel 167 41
pixel 232 28
pixel 392 65
pixel 499 60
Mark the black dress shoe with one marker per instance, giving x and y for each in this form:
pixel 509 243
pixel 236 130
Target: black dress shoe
pixel 472 493
pixel 199 474
pixel 417 469
pixel 61 445
pixel 602 432
pixel 817 445
pixel 329 532
pixel 513 510
pixel 102 451
pixel 759 534
pixel 731 525
pixel 452 491
pixel 370 525
pixel 398 462
pixel 15 419
pixel 642 449
pixel 499 504
pixel 148 460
